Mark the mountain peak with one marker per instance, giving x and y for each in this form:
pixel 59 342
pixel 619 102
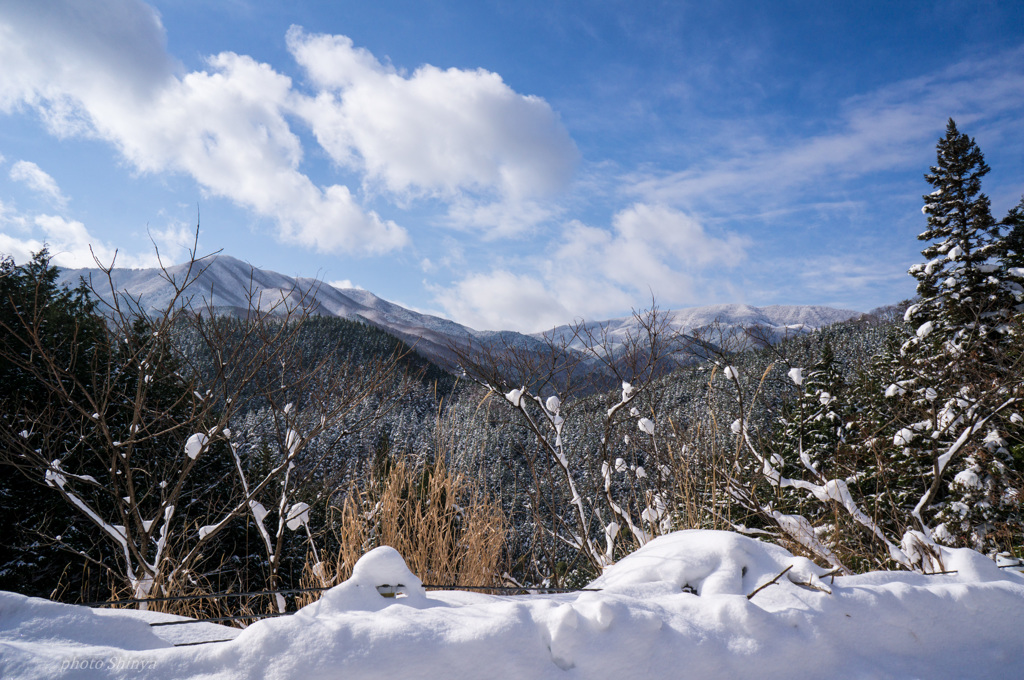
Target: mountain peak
pixel 225 283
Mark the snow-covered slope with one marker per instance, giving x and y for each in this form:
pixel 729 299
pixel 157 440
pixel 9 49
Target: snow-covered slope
pixel 229 285
pixel 694 604
pixel 225 283
pixel 720 323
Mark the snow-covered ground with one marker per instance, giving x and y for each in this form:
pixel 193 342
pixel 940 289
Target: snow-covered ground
pixel 678 608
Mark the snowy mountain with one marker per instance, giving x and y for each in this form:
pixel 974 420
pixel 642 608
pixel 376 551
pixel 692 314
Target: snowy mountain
pixel 718 324
pixel 226 285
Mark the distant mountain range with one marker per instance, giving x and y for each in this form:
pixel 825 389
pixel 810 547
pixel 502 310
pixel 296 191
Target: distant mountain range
pixel 226 285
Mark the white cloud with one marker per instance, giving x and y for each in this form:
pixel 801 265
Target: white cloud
pixel 101 70
pixel 845 277
pixel 593 273
pixel 503 300
pixel 97 71
pixel 174 242
pixel 69 242
pixel 344 284
pixel 892 128
pixel 39 181
pixel 499 219
pixel 64 50
pixel 439 131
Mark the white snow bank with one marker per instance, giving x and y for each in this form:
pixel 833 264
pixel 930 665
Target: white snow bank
pixel 65 626
pixel 641 624
pixel 707 563
pixel 377 575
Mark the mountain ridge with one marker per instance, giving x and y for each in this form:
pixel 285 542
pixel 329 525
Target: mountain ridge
pixel 225 284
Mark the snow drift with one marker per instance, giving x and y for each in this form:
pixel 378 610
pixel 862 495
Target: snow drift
pixel 693 604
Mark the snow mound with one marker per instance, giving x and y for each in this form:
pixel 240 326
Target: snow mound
pixel 708 563
pixel 69 626
pixel 379 579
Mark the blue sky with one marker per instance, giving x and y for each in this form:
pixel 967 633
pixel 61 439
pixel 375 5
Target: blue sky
pixel 510 165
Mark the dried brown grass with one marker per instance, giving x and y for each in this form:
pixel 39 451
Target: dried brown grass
pixel 448 532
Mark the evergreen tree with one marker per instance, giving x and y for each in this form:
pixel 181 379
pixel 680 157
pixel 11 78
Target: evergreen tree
pixel 957 362
pixel 34 563
pixel 813 433
pixel 59 359
pixel 1013 250
pixel 814 427
pixel 961 293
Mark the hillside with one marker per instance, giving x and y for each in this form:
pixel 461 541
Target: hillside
pixel 226 285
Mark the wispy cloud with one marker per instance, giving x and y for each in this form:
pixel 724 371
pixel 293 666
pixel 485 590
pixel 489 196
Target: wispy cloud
pixel 889 129
pixel 69 242
pixel 37 180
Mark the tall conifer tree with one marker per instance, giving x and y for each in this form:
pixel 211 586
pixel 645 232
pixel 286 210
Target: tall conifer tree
pixel 956 366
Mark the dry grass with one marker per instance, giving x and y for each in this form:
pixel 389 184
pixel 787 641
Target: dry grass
pixel 697 486
pixel 204 600
pixel 447 531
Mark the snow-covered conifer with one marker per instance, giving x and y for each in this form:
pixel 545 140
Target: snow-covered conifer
pixel 1013 241
pixel 954 376
pixel 960 282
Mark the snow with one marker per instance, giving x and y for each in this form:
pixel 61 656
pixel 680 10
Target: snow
pixel 205 531
pixel 706 562
pixel 627 391
pixel 298 516
pixel 515 397
pixel 195 445
pixel 646 426
pixel 904 437
pixel 692 604
pixel 895 390
pixel 969 479
pixel 258 511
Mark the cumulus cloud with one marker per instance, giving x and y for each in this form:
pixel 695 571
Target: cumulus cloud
pixel 225 126
pixel 62 51
pixel 502 300
pixel 69 242
pixel 437 131
pixel 102 71
pixel 596 272
pixel 37 180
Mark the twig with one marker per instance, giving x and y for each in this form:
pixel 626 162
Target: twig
pixel 762 587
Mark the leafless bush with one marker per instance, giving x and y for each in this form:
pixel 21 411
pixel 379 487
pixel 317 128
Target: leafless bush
pixel 606 473
pixel 143 450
